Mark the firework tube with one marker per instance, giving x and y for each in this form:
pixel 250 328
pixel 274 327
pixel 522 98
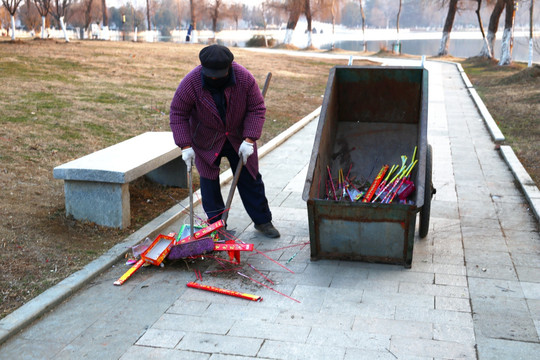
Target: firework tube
pixel 375 185
pixel 382 185
pixel 224 291
pixel 130 272
pixel 331 182
pixel 405 176
pixel 392 182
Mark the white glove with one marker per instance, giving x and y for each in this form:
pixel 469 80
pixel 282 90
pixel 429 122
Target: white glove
pixel 188 155
pixel 245 151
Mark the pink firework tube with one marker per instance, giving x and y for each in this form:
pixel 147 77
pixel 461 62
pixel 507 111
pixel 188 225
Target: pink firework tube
pixel 224 291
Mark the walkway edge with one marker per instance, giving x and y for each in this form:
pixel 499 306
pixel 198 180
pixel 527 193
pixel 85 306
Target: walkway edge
pixel 496 133
pixel 527 185
pixel 27 313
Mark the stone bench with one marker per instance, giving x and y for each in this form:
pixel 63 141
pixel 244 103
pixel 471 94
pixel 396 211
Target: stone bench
pixel 96 186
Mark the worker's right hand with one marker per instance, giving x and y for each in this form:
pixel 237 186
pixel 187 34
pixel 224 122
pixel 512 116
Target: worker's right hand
pixel 188 155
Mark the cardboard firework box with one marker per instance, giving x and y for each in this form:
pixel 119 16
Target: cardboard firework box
pixel 158 250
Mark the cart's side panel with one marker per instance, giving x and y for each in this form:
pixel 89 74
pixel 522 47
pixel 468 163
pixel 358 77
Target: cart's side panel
pixel 419 175
pixel 369 232
pixel 390 95
pixel 326 130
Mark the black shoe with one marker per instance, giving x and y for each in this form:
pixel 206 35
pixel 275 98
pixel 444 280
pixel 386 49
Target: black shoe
pixel 268 230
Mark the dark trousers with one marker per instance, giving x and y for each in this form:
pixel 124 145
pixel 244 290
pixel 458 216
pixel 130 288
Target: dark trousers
pixel 251 192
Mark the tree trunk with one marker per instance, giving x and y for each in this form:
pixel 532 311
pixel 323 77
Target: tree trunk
pixel 148 15
pixel 87 17
pixel 294 15
pixel 193 21
pixel 333 24
pixel 43 27
pixel 448 24
pixel 63 26
pixel 481 25
pixel 13 27
pixel 508 34
pixel 104 11
pixel 531 35
pixel 307 12
pixel 364 45
pixel 487 50
pixel 397 24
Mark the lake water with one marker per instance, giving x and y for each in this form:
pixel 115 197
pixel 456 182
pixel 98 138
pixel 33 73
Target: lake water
pixel 462 44
pixel 463 48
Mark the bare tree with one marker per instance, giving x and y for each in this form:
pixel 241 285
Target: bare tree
pixel 235 11
pixel 309 19
pixel 59 10
pixel 448 24
pixel 11 6
pixel 214 12
pixel 29 15
pixel 508 34
pixel 531 31
pixel 194 10
pixel 4 18
pixel 293 9
pixel 43 8
pixel 331 8
pixel 148 3
pixel 364 45
pixel 105 18
pixel 487 49
pixel 481 25
pixel 397 26
pixel 87 13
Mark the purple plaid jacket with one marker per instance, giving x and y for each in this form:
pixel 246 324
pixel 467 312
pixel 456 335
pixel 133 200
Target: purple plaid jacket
pixel 195 121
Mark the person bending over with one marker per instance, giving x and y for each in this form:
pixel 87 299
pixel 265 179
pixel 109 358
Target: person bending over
pixel 218 111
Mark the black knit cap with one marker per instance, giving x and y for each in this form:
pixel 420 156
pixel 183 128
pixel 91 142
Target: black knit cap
pixel 216 60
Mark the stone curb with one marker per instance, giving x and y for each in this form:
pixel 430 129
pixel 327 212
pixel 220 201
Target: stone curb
pixel 493 129
pixel 26 314
pixel 528 187
pixel 526 183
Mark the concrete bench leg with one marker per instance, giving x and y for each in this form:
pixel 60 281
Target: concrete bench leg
pixel 173 173
pixel 105 204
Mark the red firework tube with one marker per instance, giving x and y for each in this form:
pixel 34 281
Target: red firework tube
pixel 208 229
pixel 233 247
pixel 224 291
pixel 375 184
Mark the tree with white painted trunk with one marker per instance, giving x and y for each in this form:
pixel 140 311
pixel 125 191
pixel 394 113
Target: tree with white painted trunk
pixel 448 24
pixel 487 49
pixel 214 9
pixel 59 11
pixel 481 25
pixel 508 34
pixel 11 6
pixel 43 8
pixel 364 45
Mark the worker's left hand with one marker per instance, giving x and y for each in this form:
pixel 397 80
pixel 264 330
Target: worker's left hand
pixel 245 151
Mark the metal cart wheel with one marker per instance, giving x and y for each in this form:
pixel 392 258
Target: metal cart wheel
pixel 429 191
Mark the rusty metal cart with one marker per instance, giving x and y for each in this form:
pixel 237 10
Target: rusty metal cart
pixel 370 116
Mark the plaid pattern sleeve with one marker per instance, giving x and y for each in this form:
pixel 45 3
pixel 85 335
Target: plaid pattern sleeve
pixel 195 120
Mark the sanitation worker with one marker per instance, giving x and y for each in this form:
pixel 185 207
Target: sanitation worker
pixel 218 111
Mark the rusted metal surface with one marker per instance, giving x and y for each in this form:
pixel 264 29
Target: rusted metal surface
pixel 370 117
